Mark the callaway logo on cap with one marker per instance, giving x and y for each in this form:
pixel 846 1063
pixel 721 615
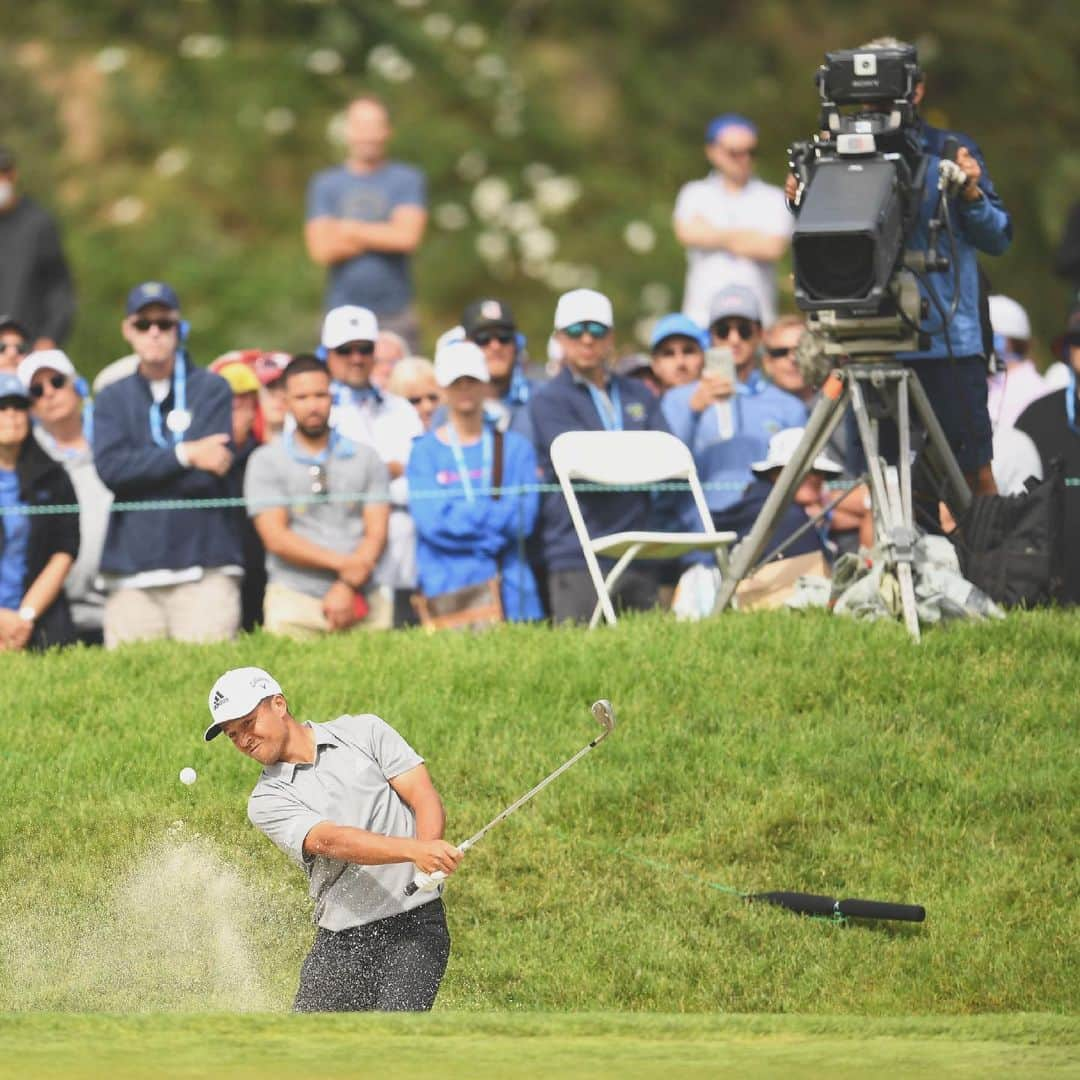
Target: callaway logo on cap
pixel 238 693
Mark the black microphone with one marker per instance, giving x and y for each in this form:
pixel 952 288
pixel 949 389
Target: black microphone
pixel 952 145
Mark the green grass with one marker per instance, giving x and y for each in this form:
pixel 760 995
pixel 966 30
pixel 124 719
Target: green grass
pixel 466 1045
pixel 758 752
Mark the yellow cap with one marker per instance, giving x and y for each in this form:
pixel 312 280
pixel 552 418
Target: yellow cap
pixel 241 378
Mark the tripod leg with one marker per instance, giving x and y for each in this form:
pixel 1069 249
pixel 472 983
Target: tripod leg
pixel 879 499
pixel 904 536
pixel 819 427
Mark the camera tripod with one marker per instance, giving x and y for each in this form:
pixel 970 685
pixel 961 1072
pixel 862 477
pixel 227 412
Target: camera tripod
pixel 890 486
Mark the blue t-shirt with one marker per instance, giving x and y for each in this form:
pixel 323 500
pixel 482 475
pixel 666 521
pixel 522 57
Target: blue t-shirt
pixel 377 280
pixel 16 536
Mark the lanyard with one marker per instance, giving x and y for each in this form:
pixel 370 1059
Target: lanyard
pixel 1070 403
pixel 183 417
pixel 289 442
pixel 343 394
pixel 487 452
pixel 612 420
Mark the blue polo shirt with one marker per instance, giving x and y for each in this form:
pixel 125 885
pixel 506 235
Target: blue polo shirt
pixel 758 411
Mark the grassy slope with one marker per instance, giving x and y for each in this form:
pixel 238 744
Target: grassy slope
pixel 525 1046
pixel 761 751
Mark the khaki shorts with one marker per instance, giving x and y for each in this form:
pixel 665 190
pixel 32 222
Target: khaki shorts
pixel 203 610
pixel 300 617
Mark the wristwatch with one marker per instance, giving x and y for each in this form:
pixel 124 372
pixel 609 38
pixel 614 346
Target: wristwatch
pixel 27 613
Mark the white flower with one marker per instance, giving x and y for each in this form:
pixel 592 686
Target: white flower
pixel 639 237
pixel 172 161
pixel 387 61
pixel 491 66
pixel 492 246
pixel 126 210
pixel 325 62
pixel 437 25
pixel 656 297
pixel 470 36
pixel 451 216
pixel 562 276
pixel 471 165
pixel 335 128
pixel 111 59
pixel 490 197
pixel 279 120
pixel 537 269
pixel 521 216
pixel 537 171
pixel 202 47
pixel 643 329
pixel 556 194
pixel 538 245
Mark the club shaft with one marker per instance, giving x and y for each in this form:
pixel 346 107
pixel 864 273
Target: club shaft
pixel 465 845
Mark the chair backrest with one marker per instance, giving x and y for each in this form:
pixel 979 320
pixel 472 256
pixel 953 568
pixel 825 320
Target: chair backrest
pixel 626 457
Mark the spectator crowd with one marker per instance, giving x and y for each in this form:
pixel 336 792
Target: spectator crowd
pixel 363 486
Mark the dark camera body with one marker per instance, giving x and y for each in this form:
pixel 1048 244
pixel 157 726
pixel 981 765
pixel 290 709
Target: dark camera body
pixel 861 186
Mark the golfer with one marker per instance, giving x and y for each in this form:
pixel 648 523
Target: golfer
pixel 354 805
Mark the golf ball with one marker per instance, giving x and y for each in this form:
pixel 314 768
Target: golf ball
pixel 188 775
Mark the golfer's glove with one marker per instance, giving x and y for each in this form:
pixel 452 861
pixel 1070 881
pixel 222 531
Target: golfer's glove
pixel 951 178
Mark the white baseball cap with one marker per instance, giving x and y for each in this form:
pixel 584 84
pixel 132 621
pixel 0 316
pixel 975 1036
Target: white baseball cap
pixel 459 360
pixel 782 447
pixel 54 359
pixel 1007 318
pixel 348 323
pixel 583 305
pixel 236 694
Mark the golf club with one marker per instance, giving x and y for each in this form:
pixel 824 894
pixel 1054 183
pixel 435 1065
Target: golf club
pixel 605 717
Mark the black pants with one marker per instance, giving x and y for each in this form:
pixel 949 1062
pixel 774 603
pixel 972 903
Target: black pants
pixel 572 595
pixel 392 965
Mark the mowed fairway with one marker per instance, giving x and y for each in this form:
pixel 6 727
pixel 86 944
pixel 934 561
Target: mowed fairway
pixel 515 1047
pixel 598 930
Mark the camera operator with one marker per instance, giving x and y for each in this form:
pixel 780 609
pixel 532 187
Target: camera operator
pixel 953 369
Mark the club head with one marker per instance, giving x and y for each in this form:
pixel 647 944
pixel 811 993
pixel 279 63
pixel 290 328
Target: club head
pixel 605 715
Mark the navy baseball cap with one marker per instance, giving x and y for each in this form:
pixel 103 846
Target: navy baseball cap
pixel 677 325
pixel 10 322
pixel 151 292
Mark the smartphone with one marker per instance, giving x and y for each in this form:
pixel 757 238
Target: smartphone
pixel 720 360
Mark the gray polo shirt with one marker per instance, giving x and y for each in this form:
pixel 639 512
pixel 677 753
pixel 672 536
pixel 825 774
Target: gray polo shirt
pixel 356 757
pixel 275 476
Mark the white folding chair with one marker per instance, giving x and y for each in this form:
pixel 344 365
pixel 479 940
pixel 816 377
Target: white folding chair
pixel 631 457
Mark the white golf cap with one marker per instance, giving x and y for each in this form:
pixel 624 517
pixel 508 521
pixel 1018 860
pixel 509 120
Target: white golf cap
pixel 348 323
pixel 782 447
pixel 236 694
pixel 54 359
pixel 583 305
pixel 1007 318
pixel 459 360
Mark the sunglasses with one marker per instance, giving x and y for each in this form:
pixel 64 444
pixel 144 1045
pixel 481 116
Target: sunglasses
pixel 359 348
pixel 433 398
pixel 319 483
pixel 776 352
pixel 743 327
pixel 21 347
pixel 164 324
pixel 14 403
pixel 486 337
pixel 57 382
pixel 593 329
